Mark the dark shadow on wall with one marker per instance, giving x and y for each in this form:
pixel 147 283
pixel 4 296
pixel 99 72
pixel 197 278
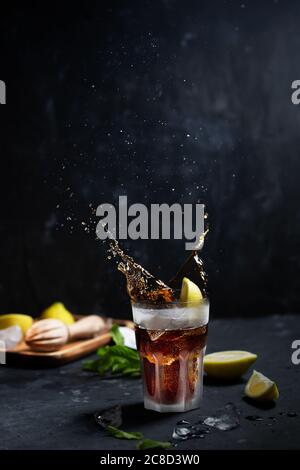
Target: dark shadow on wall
pixel 172 102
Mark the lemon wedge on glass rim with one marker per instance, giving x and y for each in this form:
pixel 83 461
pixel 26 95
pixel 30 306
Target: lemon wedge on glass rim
pixel 190 292
pixel 261 388
pixel 228 364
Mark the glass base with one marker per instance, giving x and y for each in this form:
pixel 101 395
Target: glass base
pixel 174 407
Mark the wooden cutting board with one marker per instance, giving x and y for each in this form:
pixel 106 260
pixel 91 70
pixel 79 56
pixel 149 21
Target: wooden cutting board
pixel 22 355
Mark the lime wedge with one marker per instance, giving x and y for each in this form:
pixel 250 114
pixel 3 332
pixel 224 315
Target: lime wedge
pixel 228 364
pixel 190 292
pixel 260 388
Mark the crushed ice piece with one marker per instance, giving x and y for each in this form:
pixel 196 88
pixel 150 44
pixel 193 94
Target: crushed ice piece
pixel 183 421
pixel 181 433
pixel 185 430
pixel 11 336
pixel 155 334
pixel 225 419
pixel 129 336
pixel 199 431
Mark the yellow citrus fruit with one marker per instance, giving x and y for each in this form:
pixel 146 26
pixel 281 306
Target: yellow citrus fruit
pixel 261 388
pixel 190 292
pixel 59 312
pixel 13 319
pixel 228 364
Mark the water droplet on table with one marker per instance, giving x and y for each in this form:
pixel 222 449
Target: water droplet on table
pixel 292 414
pixel 254 418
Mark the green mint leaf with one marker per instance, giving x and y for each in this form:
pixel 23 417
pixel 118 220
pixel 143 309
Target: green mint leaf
pixel 102 351
pixel 118 359
pixel 117 368
pixel 101 370
pixel 135 374
pixel 131 371
pixel 105 363
pixel 90 365
pixel 125 352
pixel 119 434
pixel 150 444
pixel 116 335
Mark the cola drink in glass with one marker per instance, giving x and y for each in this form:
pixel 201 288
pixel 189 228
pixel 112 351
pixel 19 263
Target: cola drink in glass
pixel 171 340
pixel 171 334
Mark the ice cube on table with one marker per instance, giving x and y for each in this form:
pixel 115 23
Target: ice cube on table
pixel 224 419
pixel 11 336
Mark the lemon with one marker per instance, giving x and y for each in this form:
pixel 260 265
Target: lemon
pixel 59 312
pixel 12 319
pixel 228 364
pixel 260 388
pixel 190 292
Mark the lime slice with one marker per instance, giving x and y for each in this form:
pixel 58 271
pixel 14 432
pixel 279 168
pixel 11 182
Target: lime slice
pixel 190 292
pixel 12 319
pixel 228 364
pixel 260 388
pixel 59 312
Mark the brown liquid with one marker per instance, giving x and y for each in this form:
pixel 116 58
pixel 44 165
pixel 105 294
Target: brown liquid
pixel 192 268
pixel 170 362
pixel 143 286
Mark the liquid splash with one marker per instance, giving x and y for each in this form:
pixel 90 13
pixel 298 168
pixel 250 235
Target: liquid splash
pixel 143 286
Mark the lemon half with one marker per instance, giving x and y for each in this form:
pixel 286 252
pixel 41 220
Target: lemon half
pixel 190 292
pixel 228 364
pixel 261 388
pixel 59 312
pixel 12 319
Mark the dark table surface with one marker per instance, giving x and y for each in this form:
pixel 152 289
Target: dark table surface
pixel 54 408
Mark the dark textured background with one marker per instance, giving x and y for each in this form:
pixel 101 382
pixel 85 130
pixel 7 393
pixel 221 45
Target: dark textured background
pixel 166 101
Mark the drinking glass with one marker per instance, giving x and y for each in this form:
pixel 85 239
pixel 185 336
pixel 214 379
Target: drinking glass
pixel 171 341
